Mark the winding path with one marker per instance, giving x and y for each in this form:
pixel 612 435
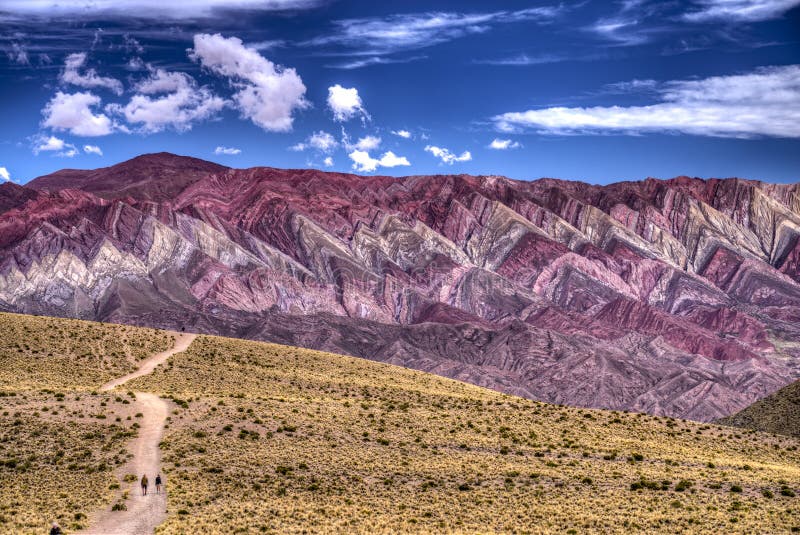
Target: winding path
pixel 144 513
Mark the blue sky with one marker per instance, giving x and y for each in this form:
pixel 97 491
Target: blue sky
pixel 596 91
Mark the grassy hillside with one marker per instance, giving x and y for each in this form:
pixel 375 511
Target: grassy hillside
pixel 42 352
pixel 268 438
pixel 778 413
pixel 278 439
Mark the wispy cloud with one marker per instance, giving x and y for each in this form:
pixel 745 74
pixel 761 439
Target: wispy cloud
pixel 636 22
pixel 740 10
pixel 765 102
pixel 18 54
pixel 370 61
pixel 148 9
pixel 522 60
pixel 630 86
pixel 378 36
pixel 227 151
pixel 4 174
pixel 622 31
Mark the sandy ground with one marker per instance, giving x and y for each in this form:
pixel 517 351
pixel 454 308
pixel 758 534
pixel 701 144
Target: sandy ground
pixel 144 513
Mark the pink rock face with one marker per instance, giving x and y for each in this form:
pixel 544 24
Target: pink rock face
pixel 676 297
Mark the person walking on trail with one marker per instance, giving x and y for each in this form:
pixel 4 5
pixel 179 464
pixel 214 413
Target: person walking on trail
pixel 55 529
pixel 158 483
pixel 144 485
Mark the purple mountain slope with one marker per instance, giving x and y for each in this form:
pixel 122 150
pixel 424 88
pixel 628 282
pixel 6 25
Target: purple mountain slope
pixel 677 297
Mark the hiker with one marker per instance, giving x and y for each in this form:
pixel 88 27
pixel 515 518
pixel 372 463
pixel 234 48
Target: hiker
pixel 144 485
pixel 56 529
pixel 158 483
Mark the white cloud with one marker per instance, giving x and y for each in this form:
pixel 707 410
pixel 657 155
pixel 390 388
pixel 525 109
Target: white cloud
pixel 328 162
pixel 267 94
pixel 503 144
pixel 446 156
pixel 363 162
pixel 89 79
pixel 169 99
pixel 92 149
pixel 148 9
pixel 402 133
pixel 321 141
pixel 765 102
pixel 73 112
pixel 4 174
pixel 345 103
pixel 229 151
pixel 741 10
pixel 54 144
pixel 46 144
pixel 366 143
pixel 418 30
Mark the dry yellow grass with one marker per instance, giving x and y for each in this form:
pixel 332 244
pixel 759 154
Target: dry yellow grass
pixel 276 439
pixel 42 352
pixel 61 446
pixel 58 456
pixel 267 438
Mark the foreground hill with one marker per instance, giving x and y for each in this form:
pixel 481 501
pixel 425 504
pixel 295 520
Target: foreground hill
pixel 264 438
pixel 677 297
pixel 778 413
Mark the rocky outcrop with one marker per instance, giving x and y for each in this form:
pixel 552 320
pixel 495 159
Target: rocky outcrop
pixel 676 297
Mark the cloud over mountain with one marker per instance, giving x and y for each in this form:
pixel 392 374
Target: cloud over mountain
pixel 266 93
pixel 169 100
pixel 73 112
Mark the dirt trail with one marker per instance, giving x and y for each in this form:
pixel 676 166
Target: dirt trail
pixel 182 342
pixel 144 513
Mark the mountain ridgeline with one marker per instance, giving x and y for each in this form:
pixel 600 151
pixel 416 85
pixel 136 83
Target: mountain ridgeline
pixel 674 297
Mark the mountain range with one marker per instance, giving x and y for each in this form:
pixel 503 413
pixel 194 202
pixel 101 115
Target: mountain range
pixel 673 297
